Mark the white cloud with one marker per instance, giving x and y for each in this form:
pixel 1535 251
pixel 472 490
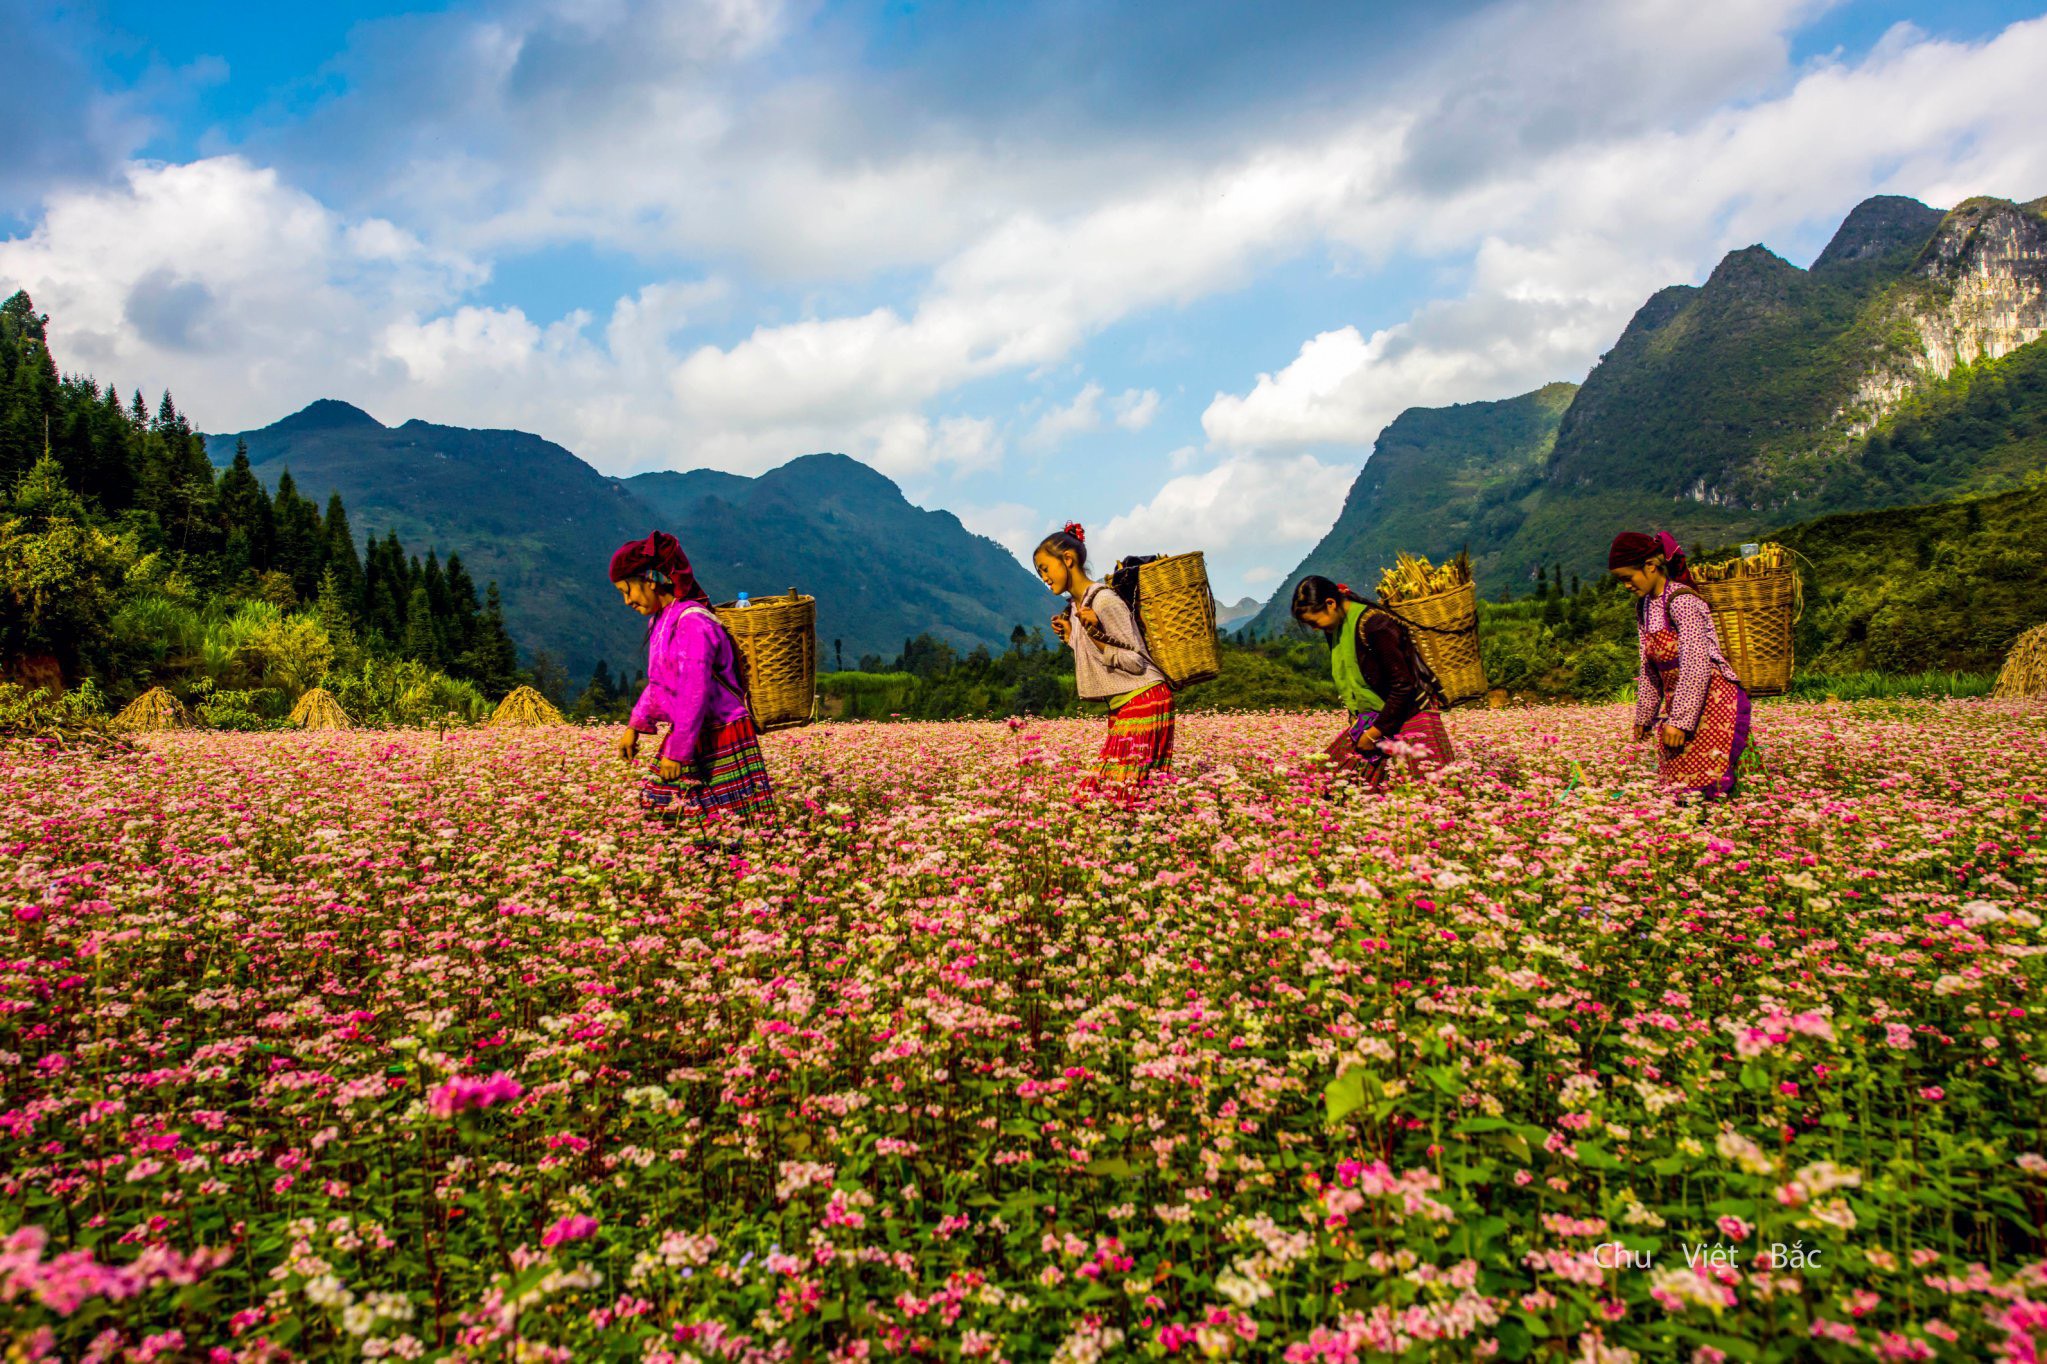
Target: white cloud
pixel 1082 414
pixel 1135 409
pixel 1132 410
pixel 1246 503
pixel 219 281
pixel 1565 159
pixel 1572 243
pixel 1015 527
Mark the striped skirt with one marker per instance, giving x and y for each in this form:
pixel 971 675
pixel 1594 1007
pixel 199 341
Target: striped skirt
pixel 1424 731
pixel 731 780
pixel 1140 739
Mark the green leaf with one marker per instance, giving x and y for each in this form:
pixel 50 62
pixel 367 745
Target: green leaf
pixel 1113 1166
pixel 1345 1094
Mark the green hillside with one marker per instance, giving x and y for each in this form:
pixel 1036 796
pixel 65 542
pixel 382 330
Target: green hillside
pixel 1440 478
pixel 542 523
pixel 1741 404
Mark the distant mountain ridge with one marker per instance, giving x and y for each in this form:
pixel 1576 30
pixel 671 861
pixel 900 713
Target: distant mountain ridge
pixel 1760 397
pixel 530 515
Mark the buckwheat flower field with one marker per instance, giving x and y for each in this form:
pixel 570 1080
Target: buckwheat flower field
pixel 376 1045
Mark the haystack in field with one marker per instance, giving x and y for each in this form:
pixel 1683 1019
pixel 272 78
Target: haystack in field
pixel 318 709
pixel 2025 667
pixel 526 706
pixel 154 709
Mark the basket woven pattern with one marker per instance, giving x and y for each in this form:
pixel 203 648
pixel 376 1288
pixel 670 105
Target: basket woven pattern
pixel 777 642
pixel 1179 618
pixel 1753 617
pixel 1453 657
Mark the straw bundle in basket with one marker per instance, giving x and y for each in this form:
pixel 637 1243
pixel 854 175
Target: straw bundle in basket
pixel 1440 605
pixel 1755 601
pixel 1179 618
pixel 525 707
pixel 2025 667
pixel 318 709
pixel 777 642
pixel 155 709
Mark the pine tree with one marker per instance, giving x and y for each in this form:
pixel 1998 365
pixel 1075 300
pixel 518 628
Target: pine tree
pixel 600 695
pixel 494 661
pixel 464 619
pixel 246 511
pixel 550 678
pixel 440 605
pixel 28 387
pixel 419 640
pixel 337 618
pixel 339 557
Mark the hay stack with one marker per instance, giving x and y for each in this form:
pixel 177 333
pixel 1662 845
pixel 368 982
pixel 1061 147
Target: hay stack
pixel 318 709
pixel 525 707
pixel 155 709
pixel 2025 668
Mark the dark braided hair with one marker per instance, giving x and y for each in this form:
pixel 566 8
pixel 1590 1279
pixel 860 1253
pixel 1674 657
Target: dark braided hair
pixel 1313 590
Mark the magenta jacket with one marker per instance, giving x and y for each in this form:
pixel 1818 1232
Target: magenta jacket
pixel 692 681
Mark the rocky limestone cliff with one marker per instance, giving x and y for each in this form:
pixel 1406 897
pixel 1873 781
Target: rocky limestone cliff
pixel 1981 294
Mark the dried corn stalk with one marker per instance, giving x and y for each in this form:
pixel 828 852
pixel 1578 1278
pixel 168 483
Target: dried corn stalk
pixel 1412 578
pixel 1769 558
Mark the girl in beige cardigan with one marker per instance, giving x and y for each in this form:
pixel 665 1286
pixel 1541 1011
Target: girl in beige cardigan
pixel 1109 663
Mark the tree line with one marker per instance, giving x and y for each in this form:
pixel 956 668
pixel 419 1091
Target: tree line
pixel 127 559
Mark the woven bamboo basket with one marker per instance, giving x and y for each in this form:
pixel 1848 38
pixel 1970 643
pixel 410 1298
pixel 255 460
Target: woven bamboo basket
pixel 777 642
pixel 1179 618
pixel 1448 640
pixel 1753 617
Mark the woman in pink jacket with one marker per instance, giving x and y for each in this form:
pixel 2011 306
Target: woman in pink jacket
pixel 710 761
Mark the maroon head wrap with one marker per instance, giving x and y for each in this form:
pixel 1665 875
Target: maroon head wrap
pixel 658 553
pixel 1632 549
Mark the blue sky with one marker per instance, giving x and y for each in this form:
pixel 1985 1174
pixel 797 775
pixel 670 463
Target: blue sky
pixel 1164 269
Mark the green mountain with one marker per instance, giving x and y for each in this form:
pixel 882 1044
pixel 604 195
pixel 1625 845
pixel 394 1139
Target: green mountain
pixel 529 514
pixel 1913 589
pixel 1768 394
pixel 881 569
pixel 1439 479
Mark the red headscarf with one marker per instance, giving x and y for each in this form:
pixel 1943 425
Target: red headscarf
pixel 1632 549
pixel 658 552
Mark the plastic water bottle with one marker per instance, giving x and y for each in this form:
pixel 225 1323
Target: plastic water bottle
pixel 742 599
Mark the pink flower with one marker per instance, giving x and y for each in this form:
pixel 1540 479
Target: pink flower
pixel 466 1092
pixel 575 1227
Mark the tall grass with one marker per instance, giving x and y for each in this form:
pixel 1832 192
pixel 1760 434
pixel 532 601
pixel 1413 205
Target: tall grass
pixel 1874 686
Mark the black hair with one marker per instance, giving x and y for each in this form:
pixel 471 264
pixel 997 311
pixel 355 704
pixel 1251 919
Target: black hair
pixel 1068 537
pixel 1313 590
